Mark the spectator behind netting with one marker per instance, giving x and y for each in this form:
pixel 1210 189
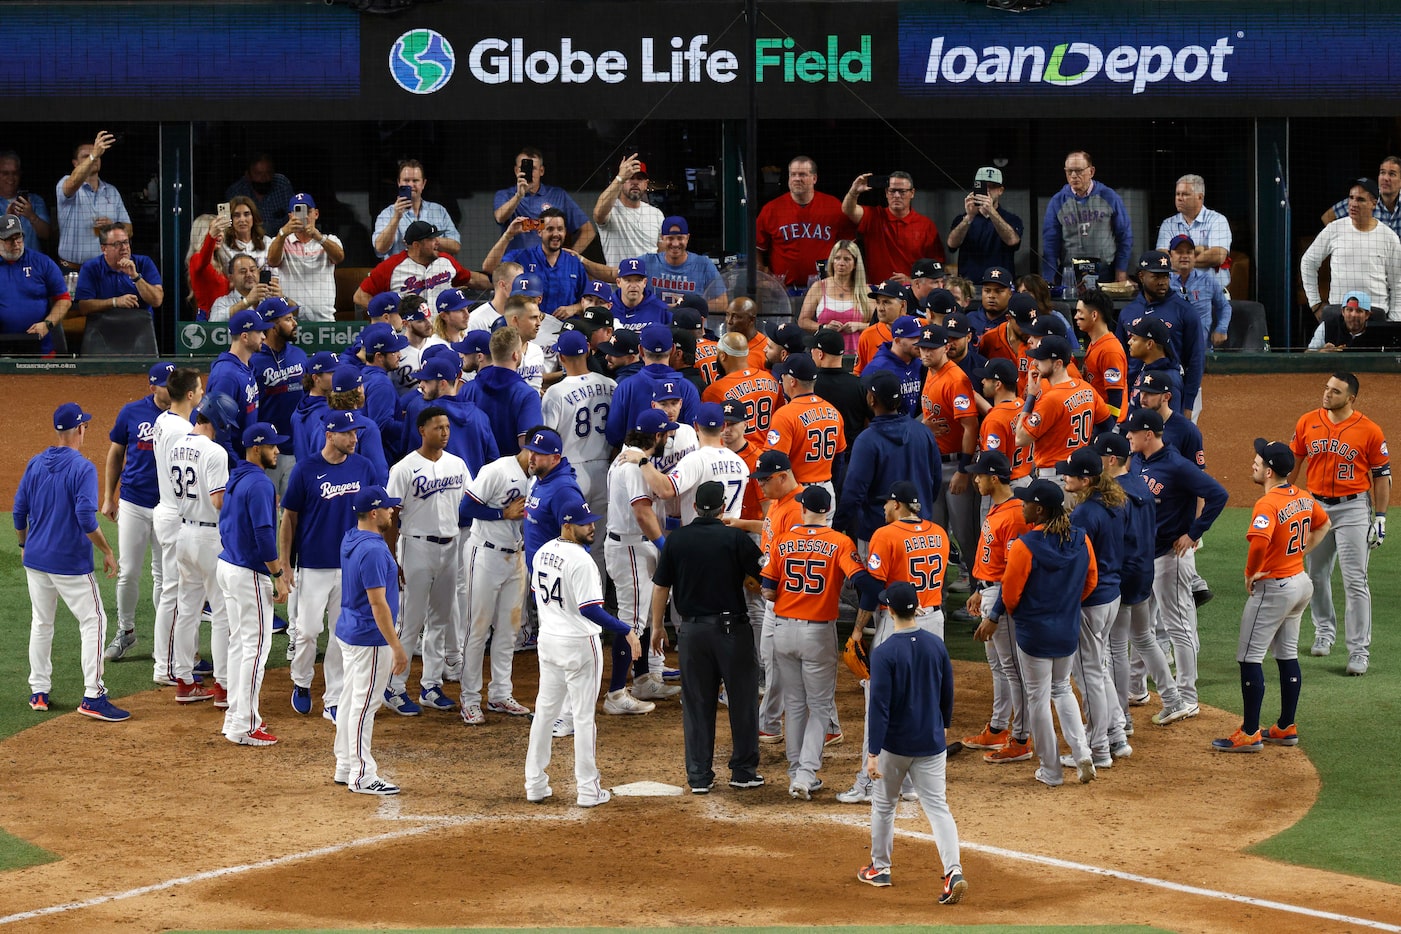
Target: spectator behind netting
pixel 529 196
pixel 409 208
pixel 118 278
pixel 261 183
pixel 897 235
pixel 985 234
pixel 28 206
pixel 1208 231
pixel 962 289
pixel 1364 256
pixel 245 288
pixel 839 302
pixel 800 227
pixel 422 269
pixel 627 222
pixel 305 259
pixel 207 281
pixel 86 204
pixel 1086 219
pixel 245 233
pixel 33 295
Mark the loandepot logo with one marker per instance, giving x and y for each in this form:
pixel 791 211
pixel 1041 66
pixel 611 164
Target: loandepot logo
pixel 1072 63
pixel 421 61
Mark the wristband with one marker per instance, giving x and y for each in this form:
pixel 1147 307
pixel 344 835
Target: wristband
pixel 659 541
pixel 276 574
pixel 964 459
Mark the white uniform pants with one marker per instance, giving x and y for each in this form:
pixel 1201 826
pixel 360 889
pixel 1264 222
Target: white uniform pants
pixel 134 535
pixel 429 594
pixel 593 483
pixel 1090 671
pixel 806 657
pixel 1008 708
pixel 1172 589
pixel 630 567
pixel 83 599
pixel 1046 682
pixel 494 593
pixel 366 674
pixel 319 607
pixel 248 598
pixel 166 525
pixel 571 673
pixel 926 774
pixel 197 582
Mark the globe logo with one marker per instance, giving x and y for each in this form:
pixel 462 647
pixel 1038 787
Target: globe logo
pixel 194 336
pixel 421 61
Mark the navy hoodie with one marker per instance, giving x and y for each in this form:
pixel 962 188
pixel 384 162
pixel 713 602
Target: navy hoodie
pixel 1105 527
pixel 1140 527
pixel 891 448
pixel 509 403
pixel 1046 605
pixel 57 503
pixel 545 505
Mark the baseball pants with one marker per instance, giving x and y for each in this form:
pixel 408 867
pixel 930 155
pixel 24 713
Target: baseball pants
pixel 166 527
pixel 771 704
pixel 926 774
pixel 1134 626
pixel 1007 694
pixel 631 561
pixel 806 657
pixel 1172 589
pixel 320 600
pixel 593 483
pixel 1270 622
pixel 135 532
pixel 930 619
pixel 494 589
pixel 1046 682
pixel 248 599
pixel 461 612
pixel 83 599
pixel 367 670
pixel 571 673
pixel 197 582
pixel 712 649
pixel 959 515
pixel 429 594
pixel 1346 545
pixel 1090 671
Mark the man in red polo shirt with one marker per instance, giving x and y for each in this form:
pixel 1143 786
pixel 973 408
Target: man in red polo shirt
pixel 894 236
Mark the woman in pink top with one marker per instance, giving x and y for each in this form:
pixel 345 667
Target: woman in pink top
pixel 839 301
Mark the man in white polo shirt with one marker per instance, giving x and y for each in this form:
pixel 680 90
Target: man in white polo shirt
pixel 306 259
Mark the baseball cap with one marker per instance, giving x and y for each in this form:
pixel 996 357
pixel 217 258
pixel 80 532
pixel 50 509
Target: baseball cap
pixel 529 285
pixel 448 368
pixel 433 351
pixel 346 378
pixel 1048 325
pixel 791 338
pixel 10 226
pixel 623 344
pixel 932 336
pixel 710 495
pixel 687 318
pixel 801 367
pixel 903 491
pixel 655 338
pixel 694 302
pixel 1045 493
pixel 599 290
pixel 571 344
pixel 1022 307
pixel 343 421
pixel 220 409
pixel 301 197
pixel 709 415
pixel 418 312
pixel 274 307
pixel 939 302
pixel 734 411
pixel 262 433
pixel 884 385
pixel 905 326
pixel 675 224
pixel 992 464
pixel 1367 185
pixel 380 338
pixel 1000 369
pixel 1159 381
pixel 421 230
pixel 770 463
pixel 591 319
pixel 1155 329
pixel 901 597
pixel 815 499
pixel 667 389
pixel 684 341
pixel 246 321
pixel 1178 240
pixel 888 289
pixel 1110 444
pixel 989 174
pixel 1155 261
pixel 373 497
pixel 956 325
pixel 1144 420
pixel 927 269
pixel 828 341
pixel 69 415
pixel 1360 299
pixel 632 267
pixel 654 421
pixel 1083 462
pixel 323 361
pixel 159 373
pixel 578 513
pixel 997 275
pixel 544 441
pixel 1276 455
pixel 448 300
pixel 1051 348
pixel 477 341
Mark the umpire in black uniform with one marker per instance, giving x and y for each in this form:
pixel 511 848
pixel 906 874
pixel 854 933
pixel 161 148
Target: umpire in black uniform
pixel 703 567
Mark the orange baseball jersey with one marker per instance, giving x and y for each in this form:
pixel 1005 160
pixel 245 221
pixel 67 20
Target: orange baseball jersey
pixel 996 342
pixel 756 390
pixel 758 345
pixel 948 395
pixel 784 513
pixel 1003 526
pixel 1063 420
pixel 708 359
pixel 810 431
pixel 912 550
pixel 751 508
pixel 996 434
pixel 1344 457
pixel 1019 569
pixel 807 566
pixel 1106 368
pixel 870 342
pixel 1279 532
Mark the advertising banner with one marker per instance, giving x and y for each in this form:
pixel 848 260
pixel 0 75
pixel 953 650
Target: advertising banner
pixel 209 339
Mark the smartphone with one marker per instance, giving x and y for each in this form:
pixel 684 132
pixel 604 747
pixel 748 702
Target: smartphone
pixel 528 170
pixel 530 223
pixel 980 186
pixel 879 181
pixel 22 193
pixel 406 191
pixel 223 209
pixel 822 269
pixel 265 276
pixel 301 211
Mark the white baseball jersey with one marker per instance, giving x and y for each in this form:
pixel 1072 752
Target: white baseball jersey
pixel 199 468
pixel 483 317
pixel 410 360
pixel 566 581
pixel 625 487
pixel 431 491
pixel 682 442
pixel 496 485
pixel 704 464
pixel 170 429
pixel 532 368
pixel 577 407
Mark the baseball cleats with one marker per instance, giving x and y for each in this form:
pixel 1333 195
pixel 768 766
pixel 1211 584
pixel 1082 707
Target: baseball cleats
pixel 121 642
pixel 1321 648
pixel 833 739
pixel 1202 597
pixel 1100 762
pixel 279 626
pixel 377 787
pixel 955 887
pixel 1121 750
pixel 472 715
pixel 510 706
pixel 1046 778
pixel 702 788
pixel 620 702
pixel 401 704
pixel 859 793
pixel 1357 665
pixel 604 796
pixel 562 728
pixel 188 692
pixel 329 713
pixel 1139 700
pixel 769 739
pixel 301 699
pixel 258 737
pixel 1275 736
pixel 529 643
pixel 100 708
pixel 1178 711
pixel 1128 725
pixel 1086 770
pixel 540 798
pixel 651 687
pixel 39 701
pixel 755 781
pixel 987 739
pixel 870 875
pixel 1014 750
pixel 804 792
pixel 220 695
pixel 204 667
pixel 434 699
pixel 671 675
pixel 1239 741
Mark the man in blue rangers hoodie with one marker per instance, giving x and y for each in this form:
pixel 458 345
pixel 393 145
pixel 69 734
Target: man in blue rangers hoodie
pixel 348 395
pixel 310 416
pixel 231 375
pixel 1086 219
pixel 1042 590
pixel 55 514
pixel 899 356
pixel 507 400
pixel 893 447
pixel 634 395
pixel 380 348
pixel 278 367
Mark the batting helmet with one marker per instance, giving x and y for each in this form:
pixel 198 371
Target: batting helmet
pixel 221 411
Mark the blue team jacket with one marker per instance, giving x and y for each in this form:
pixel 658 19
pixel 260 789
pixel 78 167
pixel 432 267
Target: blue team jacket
pixel 1105 527
pixel 57 503
pixel 891 448
pixel 1140 527
pixel 1175 483
pixel 248 519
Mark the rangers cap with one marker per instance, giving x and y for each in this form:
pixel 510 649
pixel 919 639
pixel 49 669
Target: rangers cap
pixel 710 495
pixel 623 344
pixel 301 197
pixel 1084 462
pixel 1111 444
pixel 932 337
pixel 655 338
pixel 927 269
pixel 902 598
pixel 1155 329
pixel 477 341
pixel 160 373
pixel 246 322
pixel 1002 370
pixel 829 342
pixel 346 378
pixel 675 224
pixel 708 415
pixel 571 344
pixel 1044 493
pixel 1051 348
pixel 380 338
pixel 578 513
pixel 1178 240
pixel 387 303
pixel 274 307
pixel 1160 381
pixel 905 326
pixel 544 441
pixel 992 464
pixel 791 338
pixel 69 415
pixel 939 302
pixel 599 290
pixel 667 389
pixel 734 411
pixel 770 463
pixel 529 285
pixel 420 230
pixel 1155 261
pixel 343 421
pixel 1276 455
pixel 1144 420
pixel 448 368
pixel 654 422
pixel 632 267
pixel 800 366
pixel 815 499
pixel 903 491
pixel 419 312
pixel 956 325
pixel 262 433
pixel 997 275
pixel 370 498
pixel 448 300
pixel 220 410
pixel 10 226
pixel 440 350
pixel 989 174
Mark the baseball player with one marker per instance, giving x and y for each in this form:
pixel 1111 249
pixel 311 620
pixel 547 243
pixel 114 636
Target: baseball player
pixel 418 331
pixel 1287 524
pixel 311 407
pixel 366 637
pixel 248 531
pixel 316 514
pixel 1150 348
pixel 491 563
pixel 636 393
pixel 999 385
pixel 1106 361
pixel 809 429
pixel 754 388
pixel 431 482
pixel 523 313
pixel 348 395
pixel 1158 300
pixel 278 366
pixel 900 357
pixel 1060 413
pixel 911 704
pixel 510 404
pixel 379 350
pixel 950 411
pixel 1349 472
pixel 570 595
pixel 712 460
pixel 231 375
pixel 773 472
pixel 555 486
pixel 55 515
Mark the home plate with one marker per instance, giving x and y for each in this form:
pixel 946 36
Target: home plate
pixel 646 790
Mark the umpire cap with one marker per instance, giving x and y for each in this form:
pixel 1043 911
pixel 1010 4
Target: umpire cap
pixel 710 495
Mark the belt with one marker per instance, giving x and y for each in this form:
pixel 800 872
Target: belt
pixel 949 459
pixel 435 539
pixel 69 267
pixel 810 622
pixel 490 547
pixel 203 525
pixel 1335 500
pixel 627 538
pixel 983 585
pixel 708 619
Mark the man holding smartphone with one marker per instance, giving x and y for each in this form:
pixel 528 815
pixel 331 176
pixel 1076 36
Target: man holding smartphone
pixel 28 206
pixel 306 259
pixel 986 234
pixel 408 208
pixel 896 235
pixel 86 204
pixel 530 196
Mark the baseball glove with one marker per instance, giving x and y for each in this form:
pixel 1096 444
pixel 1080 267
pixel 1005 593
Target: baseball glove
pixel 855 656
